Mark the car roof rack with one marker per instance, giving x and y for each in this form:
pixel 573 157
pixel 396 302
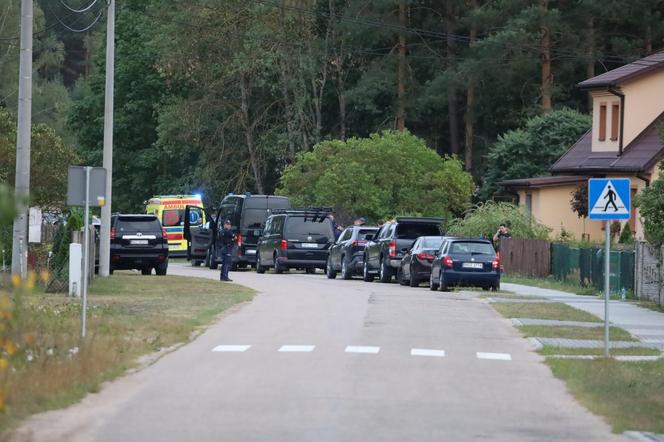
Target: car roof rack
pixel 314 214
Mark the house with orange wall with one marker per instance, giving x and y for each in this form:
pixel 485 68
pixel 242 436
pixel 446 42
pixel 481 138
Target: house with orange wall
pixel 624 142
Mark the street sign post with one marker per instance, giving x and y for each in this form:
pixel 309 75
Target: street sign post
pixel 608 200
pixel 86 186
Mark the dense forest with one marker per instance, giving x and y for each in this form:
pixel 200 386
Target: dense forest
pixel 215 96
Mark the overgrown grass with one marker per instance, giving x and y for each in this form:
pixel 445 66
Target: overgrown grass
pixel 129 315
pixel 567 332
pixel 550 283
pixel 651 305
pixel 631 351
pixel 629 394
pixel 543 310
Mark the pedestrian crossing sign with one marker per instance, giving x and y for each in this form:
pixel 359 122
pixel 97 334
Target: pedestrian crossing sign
pixel 609 198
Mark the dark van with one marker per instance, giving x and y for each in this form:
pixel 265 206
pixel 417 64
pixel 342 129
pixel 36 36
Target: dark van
pixel 247 214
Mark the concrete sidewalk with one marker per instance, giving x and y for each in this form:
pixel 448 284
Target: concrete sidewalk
pixel 646 325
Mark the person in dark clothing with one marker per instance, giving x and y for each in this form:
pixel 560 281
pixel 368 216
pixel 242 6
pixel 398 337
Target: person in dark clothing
pixel 503 232
pixel 335 227
pixel 227 244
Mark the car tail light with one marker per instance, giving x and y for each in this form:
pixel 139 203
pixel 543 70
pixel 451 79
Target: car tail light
pixel 238 239
pixel 358 243
pixel 164 233
pixel 112 232
pixel 495 264
pixel 425 256
pixel 447 262
pixel 115 258
pixel 283 245
pixel 393 248
pixel 162 258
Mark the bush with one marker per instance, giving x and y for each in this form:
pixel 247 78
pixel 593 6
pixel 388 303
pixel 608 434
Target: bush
pixel 626 236
pixel 484 220
pixel 387 174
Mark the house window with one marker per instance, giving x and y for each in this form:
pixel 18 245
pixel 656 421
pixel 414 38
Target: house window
pixel 615 121
pixel 529 203
pixel 602 122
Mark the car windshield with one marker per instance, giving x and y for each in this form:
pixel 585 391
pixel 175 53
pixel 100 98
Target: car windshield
pixel 138 224
pixel 415 230
pixel 366 234
pixel 254 218
pixel 299 229
pixel 431 243
pixel 475 248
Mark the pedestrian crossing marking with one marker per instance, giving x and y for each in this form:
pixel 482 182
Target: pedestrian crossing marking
pixel 232 348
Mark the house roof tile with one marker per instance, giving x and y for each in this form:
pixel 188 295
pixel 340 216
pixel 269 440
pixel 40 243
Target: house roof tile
pixel 625 73
pixel 638 156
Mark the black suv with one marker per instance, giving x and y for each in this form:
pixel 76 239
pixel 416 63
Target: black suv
pixel 247 214
pixel 295 239
pixel 383 254
pixel 346 255
pixel 138 242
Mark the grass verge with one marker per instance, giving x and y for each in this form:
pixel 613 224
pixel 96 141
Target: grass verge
pixel 631 351
pixel 543 310
pixel 569 332
pixel 500 295
pixel 550 283
pixel 651 306
pixel 129 315
pixel 629 394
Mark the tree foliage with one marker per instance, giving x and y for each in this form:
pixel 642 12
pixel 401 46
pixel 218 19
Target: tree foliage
pixel 50 160
pixel 485 218
pixel 579 201
pixel 530 151
pixel 387 174
pixel 650 202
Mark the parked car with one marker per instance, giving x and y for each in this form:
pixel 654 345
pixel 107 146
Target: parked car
pixel 346 254
pixel 383 254
pixel 415 266
pixel 465 262
pixel 138 242
pixel 295 239
pixel 247 214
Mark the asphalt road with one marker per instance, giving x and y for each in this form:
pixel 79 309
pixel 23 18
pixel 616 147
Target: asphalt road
pixel 368 366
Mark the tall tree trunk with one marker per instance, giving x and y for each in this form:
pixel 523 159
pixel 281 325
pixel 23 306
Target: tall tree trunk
pixel 450 24
pixel 341 93
pixel 545 57
pixel 470 101
pixel 249 132
pixel 401 86
pixel 648 39
pixel 590 54
pixel 288 111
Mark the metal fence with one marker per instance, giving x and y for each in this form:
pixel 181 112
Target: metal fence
pixel 585 266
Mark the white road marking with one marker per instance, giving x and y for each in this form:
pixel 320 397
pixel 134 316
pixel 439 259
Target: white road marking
pixel 296 348
pixel 231 348
pixel 427 352
pixel 496 356
pixel 362 349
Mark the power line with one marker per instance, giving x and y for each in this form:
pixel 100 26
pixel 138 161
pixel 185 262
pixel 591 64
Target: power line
pixel 84 29
pixel 78 11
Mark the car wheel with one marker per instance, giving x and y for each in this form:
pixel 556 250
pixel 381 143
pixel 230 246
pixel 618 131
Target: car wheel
pixel 400 279
pixel 495 287
pixel 413 279
pixel 110 270
pixel 162 268
pixel 212 263
pixel 433 286
pixel 146 271
pixel 329 271
pixel 196 262
pixel 385 271
pixel 366 276
pixel 259 267
pixel 345 271
pixel 278 267
pixel 442 285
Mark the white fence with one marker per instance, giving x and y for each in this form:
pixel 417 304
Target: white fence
pixel 649 274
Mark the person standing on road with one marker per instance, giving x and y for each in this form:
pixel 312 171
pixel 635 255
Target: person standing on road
pixel 503 232
pixel 360 221
pixel 227 245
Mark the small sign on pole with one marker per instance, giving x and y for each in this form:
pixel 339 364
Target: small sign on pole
pixel 86 186
pixel 609 199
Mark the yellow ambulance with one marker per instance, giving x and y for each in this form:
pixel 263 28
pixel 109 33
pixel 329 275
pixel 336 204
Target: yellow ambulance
pixel 170 211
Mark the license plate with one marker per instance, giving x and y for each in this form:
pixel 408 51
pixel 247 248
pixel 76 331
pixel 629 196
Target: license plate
pixel 472 265
pixel 309 245
pixel 250 252
pixel 172 246
pixel 137 242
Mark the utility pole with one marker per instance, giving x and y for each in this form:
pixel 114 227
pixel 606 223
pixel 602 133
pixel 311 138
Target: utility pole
pixel 105 228
pixel 22 184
